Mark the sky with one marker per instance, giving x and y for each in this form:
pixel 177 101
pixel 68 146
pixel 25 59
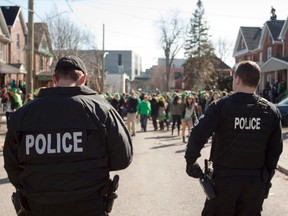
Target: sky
pixel 132 24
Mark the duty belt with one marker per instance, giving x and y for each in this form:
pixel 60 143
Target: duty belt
pixel 235 172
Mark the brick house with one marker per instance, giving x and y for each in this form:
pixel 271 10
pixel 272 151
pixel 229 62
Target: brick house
pixel 43 56
pixel 13 50
pixel 268 46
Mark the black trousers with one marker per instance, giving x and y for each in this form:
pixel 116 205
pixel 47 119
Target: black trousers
pixel 236 196
pixel 88 207
pixel 176 119
pixel 154 121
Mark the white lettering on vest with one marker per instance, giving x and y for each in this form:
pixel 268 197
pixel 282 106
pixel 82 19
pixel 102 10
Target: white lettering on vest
pixel 77 140
pixel 247 124
pixel 66 148
pixel 67 142
pixel 40 149
pixel 29 143
pixel 49 143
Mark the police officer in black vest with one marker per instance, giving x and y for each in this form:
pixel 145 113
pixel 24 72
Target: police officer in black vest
pixel 60 147
pixel 247 143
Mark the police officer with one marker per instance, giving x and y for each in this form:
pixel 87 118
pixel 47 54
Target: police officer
pixel 247 143
pixel 60 147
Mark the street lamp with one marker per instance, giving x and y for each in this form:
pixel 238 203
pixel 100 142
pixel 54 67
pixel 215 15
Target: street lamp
pixel 103 70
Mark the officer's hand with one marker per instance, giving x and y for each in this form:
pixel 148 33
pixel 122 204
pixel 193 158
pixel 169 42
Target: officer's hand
pixel 194 170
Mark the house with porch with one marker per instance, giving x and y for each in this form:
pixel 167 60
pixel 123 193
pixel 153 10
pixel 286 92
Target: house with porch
pixel 13 49
pixel 268 46
pixel 13 33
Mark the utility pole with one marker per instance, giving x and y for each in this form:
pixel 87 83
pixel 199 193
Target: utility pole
pixel 30 48
pixel 103 61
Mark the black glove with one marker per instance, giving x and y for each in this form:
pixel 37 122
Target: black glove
pixel 268 186
pixel 194 170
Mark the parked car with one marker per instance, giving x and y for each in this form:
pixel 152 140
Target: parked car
pixel 283 108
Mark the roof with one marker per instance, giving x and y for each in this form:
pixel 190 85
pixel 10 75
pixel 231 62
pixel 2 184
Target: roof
pixel 41 29
pixel 284 29
pixel 4 29
pixel 10 13
pixel 274 64
pixel 45 75
pixel 10 69
pixel 223 65
pixel 275 27
pixel 251 36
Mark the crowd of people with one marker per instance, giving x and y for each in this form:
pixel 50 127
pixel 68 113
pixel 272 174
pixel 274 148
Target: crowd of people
pixel 176 111
pixel 13 96
pixel 273 91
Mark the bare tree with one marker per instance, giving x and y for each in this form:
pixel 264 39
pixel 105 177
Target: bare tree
pixel 223 48
pixel 66 35
pixel 171 40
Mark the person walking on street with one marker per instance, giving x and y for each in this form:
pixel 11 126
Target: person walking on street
pixel 132 104
pixel 189 115
pixel 176 113
pixel 144 109
pixel 154 111
pixel 115 102
pixel 248 143
pixel 10 107
pixel 61 146
pixel 162 105
pixel 17 98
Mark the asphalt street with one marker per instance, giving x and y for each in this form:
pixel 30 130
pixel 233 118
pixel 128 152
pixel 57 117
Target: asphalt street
pixel 155 184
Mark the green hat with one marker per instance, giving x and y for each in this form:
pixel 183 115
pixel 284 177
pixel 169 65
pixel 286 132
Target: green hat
pixel 117 95
pixel 14 89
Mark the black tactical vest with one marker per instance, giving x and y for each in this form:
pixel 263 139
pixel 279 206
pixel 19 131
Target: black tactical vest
pixel 241 138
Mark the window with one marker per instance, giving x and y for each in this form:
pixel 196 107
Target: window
pixel 2 52
pixel 18 41
pixel 242 44
pixel 119 59
pixel 178 75
pixel 269 52
pixel 41 64
pixel 260 58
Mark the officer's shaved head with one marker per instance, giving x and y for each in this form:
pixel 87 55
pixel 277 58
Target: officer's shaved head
pixel 248 72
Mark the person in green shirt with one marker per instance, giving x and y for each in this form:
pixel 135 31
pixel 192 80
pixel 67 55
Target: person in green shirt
pixel 17 98
pixel 144 109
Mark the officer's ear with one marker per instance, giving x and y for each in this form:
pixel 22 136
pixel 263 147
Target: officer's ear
pixel 82 79
pixel 237 80
pixel 54 80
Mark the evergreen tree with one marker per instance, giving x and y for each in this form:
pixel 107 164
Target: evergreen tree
pixel 199 70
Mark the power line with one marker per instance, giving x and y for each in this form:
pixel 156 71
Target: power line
pixel 25 8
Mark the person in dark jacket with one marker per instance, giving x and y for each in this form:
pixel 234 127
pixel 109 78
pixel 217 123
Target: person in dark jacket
pixel 132 104
pixel 60 147
pixel 246 147
pixel 115 102
pixel 154 111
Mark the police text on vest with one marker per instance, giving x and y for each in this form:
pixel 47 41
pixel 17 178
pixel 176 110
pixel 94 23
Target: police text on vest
pixel 65 143
pixel 247 123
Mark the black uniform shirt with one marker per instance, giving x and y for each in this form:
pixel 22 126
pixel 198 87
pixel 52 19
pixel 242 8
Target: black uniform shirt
pixel 61 146
pixel 250 124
